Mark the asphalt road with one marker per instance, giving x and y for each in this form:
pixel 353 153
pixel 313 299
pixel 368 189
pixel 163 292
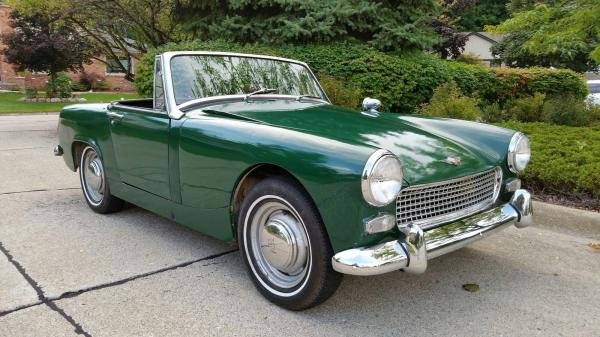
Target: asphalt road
pixel 65 270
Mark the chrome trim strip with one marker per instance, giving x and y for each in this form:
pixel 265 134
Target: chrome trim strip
pixel 365 261
pixel 175 111
pixel 445 218
pixel 200 102
pixel 512 147
pixel 445 239
pixel 172 54
pixel 521 201
pixel 412 253
pixel 416 246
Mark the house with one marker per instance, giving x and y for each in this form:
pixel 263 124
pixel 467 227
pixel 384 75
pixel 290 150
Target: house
pixel 479 44
pixel 11 79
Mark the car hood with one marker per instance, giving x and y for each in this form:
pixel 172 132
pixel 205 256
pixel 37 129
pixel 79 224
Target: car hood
pixel 425 146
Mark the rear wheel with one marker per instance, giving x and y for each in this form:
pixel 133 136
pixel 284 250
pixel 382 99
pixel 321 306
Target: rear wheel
pixel 94 185
pixel 284 245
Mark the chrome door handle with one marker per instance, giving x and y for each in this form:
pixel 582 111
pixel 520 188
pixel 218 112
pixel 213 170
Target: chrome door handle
pixel 114 115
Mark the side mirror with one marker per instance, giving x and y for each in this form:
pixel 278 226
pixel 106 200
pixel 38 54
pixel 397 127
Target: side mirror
pixel 371 105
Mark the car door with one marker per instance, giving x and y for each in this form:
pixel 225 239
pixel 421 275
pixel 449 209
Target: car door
pixel 140 139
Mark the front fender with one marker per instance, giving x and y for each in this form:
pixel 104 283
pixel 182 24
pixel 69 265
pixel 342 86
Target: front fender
pixel 216 152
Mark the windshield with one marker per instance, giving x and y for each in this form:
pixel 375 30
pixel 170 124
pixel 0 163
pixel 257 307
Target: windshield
pixel 198 76
pixel 594 87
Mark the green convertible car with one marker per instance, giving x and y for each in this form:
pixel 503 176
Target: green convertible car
pixel 248 148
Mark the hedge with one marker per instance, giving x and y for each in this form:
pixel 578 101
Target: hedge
pixel 401 81
pixel 564 158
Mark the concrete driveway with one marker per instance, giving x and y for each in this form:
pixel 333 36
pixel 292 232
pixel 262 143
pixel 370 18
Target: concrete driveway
pixel 65 270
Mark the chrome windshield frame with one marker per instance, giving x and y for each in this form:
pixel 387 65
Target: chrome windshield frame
pixel 175 111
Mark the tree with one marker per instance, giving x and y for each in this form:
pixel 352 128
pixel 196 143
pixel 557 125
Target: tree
pixel 451 41
pixel 562 34
pixel 116 28
pixel 385 24
pixel 483 13
pixel 35 44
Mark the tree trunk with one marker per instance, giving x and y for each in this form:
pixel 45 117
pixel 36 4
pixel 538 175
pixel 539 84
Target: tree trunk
pixel 51 86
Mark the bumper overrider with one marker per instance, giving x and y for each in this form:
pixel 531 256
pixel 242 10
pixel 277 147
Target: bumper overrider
pixel 412 253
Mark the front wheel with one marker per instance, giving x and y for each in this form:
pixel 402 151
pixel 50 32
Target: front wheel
pixel 284 245
pixel 94 185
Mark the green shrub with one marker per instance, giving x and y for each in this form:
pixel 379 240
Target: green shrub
pixel 527 109
pixel 59 86
pixel 493 113
pixel 339 93
pixel 469 58
pixel 92 81
pixel 567 110
pixel 76 86
pixel 516 83
pixel 564 159
pixel 31 92
pixel 447 101
pixel 401 81
pixel 594 111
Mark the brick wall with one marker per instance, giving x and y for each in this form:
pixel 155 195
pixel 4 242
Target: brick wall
pixel 8 74
pixel 10 78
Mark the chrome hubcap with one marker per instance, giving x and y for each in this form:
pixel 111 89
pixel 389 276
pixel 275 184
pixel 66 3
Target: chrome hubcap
pixel 93 176
pixel 279 243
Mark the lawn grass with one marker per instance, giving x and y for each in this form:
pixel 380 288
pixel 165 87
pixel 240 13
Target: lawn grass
pixel 9 101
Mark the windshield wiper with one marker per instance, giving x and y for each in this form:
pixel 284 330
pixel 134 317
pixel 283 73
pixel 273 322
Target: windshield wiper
pixel 259 92
pixel 300 97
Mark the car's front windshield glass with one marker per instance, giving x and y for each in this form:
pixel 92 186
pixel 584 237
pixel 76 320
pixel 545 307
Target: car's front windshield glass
pixel 198 76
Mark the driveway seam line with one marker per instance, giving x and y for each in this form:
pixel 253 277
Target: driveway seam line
pixel 25 148
pixel 26 130
pixel 41 190
pixel 72 294
pixel 40 293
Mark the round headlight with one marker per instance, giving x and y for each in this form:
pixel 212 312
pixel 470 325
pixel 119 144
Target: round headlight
pixel 381 178
pixel 519 152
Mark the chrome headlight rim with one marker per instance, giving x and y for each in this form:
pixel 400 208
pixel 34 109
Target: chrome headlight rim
pixel 512 152
pixel 368 171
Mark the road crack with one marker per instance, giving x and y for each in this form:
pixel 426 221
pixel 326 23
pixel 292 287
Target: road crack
pixel 49 301
pixel 40 293
pixel 71 294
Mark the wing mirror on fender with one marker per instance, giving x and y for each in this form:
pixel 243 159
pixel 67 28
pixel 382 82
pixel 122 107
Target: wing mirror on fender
pixel 370 106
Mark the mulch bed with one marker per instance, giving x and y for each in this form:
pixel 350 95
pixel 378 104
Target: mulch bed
pixel 581 201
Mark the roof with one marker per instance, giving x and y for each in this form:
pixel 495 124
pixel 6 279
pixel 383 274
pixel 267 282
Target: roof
pixel 492 38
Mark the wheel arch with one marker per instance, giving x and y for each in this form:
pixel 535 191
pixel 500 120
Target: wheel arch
pixel 77 147
pixel 251 177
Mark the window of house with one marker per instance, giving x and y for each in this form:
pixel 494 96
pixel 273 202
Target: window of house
pixel 113 67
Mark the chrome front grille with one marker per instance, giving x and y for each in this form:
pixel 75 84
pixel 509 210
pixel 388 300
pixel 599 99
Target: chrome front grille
pixel 432 204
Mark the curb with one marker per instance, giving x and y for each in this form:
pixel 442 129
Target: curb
pixel 566 219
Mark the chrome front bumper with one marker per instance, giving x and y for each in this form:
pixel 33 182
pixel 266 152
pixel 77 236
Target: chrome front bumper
pixel 412 253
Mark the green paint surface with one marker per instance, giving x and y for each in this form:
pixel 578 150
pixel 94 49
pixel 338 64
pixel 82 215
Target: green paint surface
pixel 188 169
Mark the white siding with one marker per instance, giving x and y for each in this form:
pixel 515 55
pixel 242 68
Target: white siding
pixel 479 47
